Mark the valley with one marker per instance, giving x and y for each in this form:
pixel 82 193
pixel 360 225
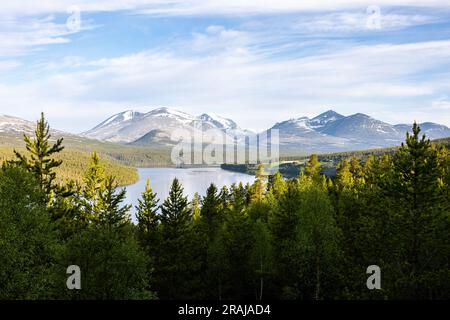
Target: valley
pixel 132 139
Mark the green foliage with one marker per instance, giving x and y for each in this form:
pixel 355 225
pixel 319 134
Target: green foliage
pixel 313 168
pixel 319 243
pixel 147 214
pixel 176 265
pixel 29 247
pixel 41 162
pixel 113 266
pixel 309 237
pixel 75 163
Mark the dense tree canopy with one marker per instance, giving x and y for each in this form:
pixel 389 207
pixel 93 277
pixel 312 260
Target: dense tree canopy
pixel 309 237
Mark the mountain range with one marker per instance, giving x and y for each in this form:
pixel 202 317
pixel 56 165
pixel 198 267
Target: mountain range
pixel 158 125
pixel 327 132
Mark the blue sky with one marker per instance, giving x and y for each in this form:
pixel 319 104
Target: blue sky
pixel 257 62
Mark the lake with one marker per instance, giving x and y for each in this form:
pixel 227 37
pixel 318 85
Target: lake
pixel 193 180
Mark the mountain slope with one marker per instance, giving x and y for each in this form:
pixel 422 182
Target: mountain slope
pixel 430 129
pixel 327 132
pixel 158 126
pixel 320 121
pixel 361 127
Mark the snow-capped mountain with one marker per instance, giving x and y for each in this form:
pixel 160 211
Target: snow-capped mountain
pixel 332 132
pixel 218 121
pixel 158 125
pixel 317 123
pixel 119 118
pixel 364 128
pixel 430 129
pixel 19 126
pixel 10 124
pixel 295 126
pixel 303 134
pixel 327 132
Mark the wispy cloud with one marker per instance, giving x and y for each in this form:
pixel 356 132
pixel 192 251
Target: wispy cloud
pixel 295 57
pixel 202 7
pixel 240 79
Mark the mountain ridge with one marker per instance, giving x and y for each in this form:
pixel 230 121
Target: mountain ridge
pixel 326 132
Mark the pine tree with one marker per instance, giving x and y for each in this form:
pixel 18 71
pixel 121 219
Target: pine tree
pixel 416 196
pixel 238 197
pixel 224 197
pixel 218 268
pixel 147 214
pixel 259 187
pixel 93 187
pixel 111 212
pixel 195 207
pixel 238 243
pixel 29 246
pixel 313 168
pixel 100 200
pixel 261 257
pixel 344 178
pixel 176 262
pixel 41 162
pixel 94 177
pixel 210 212
pixel 277 185
pixel 318 243
pixel 283 223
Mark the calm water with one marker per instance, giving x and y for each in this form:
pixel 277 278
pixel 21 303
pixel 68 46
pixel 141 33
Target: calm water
pixel 193 180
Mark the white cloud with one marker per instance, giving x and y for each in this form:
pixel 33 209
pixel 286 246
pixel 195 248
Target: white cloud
pixel 441 104
pixel 190 7
pixel 239 82
pixel 232 71
pixel 356 21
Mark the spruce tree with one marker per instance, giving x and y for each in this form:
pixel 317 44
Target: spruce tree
pixel 176 262
pixel 195 207
pixel 261 257
pixel 147 213
pixel 283 223
pixel 100 200
pixel 40 161
pixel 318 243
pixel 29 246
pixel 313 168
pixel 416 196
pixel 259 187
pixel 111 213
pixel 210 212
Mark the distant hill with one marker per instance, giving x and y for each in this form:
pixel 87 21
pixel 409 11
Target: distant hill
pixel 129 155
pixel 290 166
pixel 75 164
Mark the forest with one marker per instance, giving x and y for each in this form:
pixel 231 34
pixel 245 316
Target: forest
pixel 310 237
pixel 75 163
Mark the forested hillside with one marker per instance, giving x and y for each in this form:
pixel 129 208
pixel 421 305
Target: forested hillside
pixel 75 164
pixel 135 156
pixel 291 166
pixel 307 238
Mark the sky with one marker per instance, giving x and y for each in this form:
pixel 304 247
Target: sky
pixel 257 62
